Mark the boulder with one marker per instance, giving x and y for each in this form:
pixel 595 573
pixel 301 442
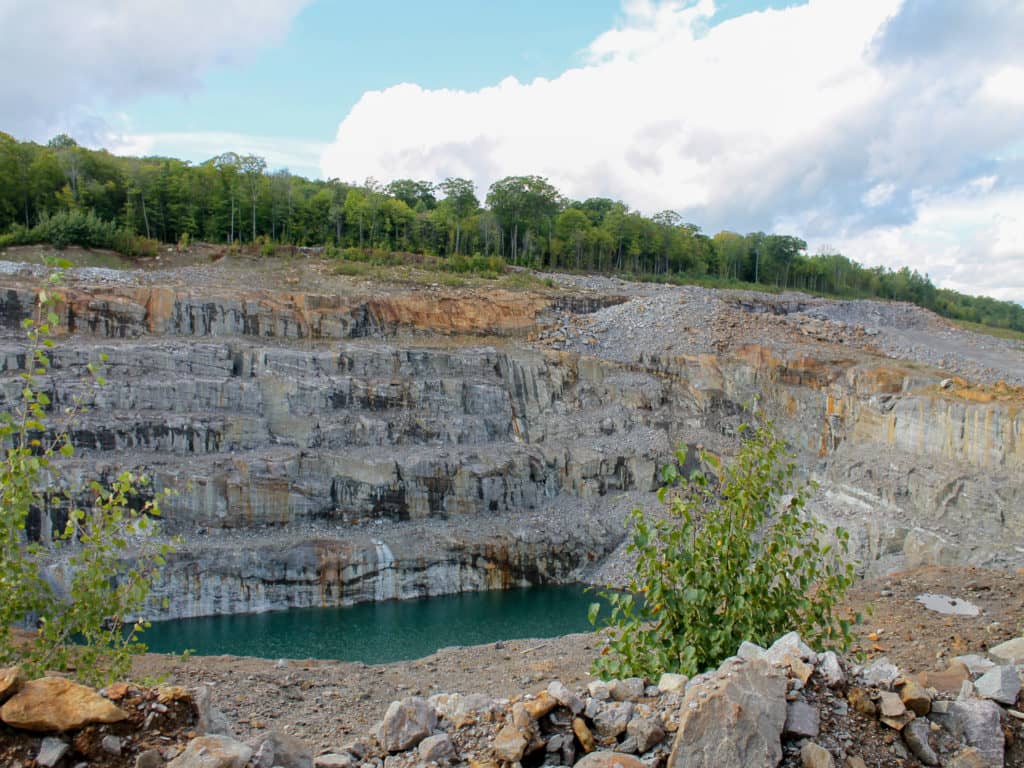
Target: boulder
pixel 406 723
pixel 734 720
pixel 280 749
pixel 1000 684
pixel 11 680
pixel 609 760
pixel 56 704
pixel 213 752
pixel 1010 652
pixel 802 720
pixel 437 749
pixel 978 723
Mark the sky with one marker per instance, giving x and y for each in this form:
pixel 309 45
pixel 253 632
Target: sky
pixel 890 130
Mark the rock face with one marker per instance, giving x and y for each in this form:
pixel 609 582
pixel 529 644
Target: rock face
pixel 316 439
pixel 749 700
pixel 56 704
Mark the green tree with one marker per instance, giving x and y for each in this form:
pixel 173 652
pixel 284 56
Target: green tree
pixel 734 559
pixel 460 197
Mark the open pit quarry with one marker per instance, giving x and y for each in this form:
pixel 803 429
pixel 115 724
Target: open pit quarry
pixel 332 439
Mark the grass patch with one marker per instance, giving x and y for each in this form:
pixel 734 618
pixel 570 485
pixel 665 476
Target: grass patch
pixel 988 330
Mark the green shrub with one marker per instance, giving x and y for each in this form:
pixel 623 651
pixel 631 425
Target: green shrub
pixel 734 559
pixel 107 556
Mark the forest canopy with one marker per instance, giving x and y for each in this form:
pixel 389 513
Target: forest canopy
pixel 63 194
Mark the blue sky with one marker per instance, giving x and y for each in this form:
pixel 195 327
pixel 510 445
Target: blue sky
pixel 888 129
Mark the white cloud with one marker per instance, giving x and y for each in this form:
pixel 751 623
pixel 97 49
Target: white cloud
pixel 68 63
pixel 840 120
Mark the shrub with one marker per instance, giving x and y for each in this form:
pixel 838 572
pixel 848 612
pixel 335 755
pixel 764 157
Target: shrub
pixel 88 629
pixel 734 559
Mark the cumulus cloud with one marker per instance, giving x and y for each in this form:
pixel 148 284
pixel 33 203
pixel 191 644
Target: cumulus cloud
pixel 68 63
pixel 860 123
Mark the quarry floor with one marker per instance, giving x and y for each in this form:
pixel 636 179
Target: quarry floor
pixel 327 703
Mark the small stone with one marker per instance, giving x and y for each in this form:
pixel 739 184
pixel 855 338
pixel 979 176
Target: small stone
pixel 861 701
pixel 437 749
pixel 213 752
pixel 891 705
pixel 627 745
pixel 510 744
pixel 670 682
pixel 111 744
pixel 579 727
pixel 609 760
pixel 51 752
pixel 149 759
pixel 647 731
pixel 1010 652
pixel 629 689
pixel 802 720
pixel 831 669
pixel 813 756
pixel 855 761
pixel 915 734
pixel 334 760
pixel 598 689
pixel 11 680
pixel 915 697
pixel 565 697
pixel 1000 684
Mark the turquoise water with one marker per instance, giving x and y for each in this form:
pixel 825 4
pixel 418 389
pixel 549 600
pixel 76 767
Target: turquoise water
pixel 377 633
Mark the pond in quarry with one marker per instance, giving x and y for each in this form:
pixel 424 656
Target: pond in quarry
pixel 377 633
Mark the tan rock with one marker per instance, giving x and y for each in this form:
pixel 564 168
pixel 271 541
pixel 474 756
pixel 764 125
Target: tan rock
pixel 579 727
pixel 510 744
pixel 813 756
pixel 800 668
pixel 861 701
pixel 891 705
pixel 167 694
pixel 540 706
pixel 897 723
pixel 915 697
pixel 213 752
pixel 11 680
pixel 948 680
pixel 56 704
pixel 855 761
pixel 609 760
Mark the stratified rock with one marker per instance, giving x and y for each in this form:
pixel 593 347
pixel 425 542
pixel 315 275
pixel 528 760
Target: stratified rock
pixel 213 752
pixel 405 724
pixel 51 752
pixel 437 749
pixel 733 721
pixel 1010 652
pixel 56 704
pixel 647 732
pixel 670 682
pixel 609 760
pixel 915 697
pixel 1001 684
pixel 915 734
pixel 613 719
pixel 978 723
pixel 802 720
pixel 813 756
pixel 510 744
pixel 628 689
pixel 11 680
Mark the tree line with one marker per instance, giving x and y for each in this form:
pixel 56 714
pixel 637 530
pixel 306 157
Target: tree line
pixel 61 192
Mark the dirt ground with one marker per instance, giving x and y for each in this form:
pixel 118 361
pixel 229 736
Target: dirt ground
pixel 325 703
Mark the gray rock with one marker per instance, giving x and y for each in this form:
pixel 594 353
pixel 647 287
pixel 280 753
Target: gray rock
pixel 282 749
pixel 613 719
pixel 789 646
pixel 749 651
pixel 151 758
pixel 734 720
pixel 1000 684
pixel 976 665
pixel 51 752
pixel 565 697
pixel 335 760
pixel 977 722
pixel 627 746
pixel 210 720
pixel 646 731
pixel 629 689
pixel 437 749
pixel 406 723
pixel 881 673
pixel 831 669
pixel 593 708
pixel 802 720
pixel 915 734
pixel 598 689
pixel 111 744
pixel 1010 652
pixel 213 752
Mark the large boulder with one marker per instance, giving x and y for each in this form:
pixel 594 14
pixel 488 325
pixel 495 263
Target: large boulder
pixel 55 704
pixel 732 720
pixel 11 680
pixel 406 724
